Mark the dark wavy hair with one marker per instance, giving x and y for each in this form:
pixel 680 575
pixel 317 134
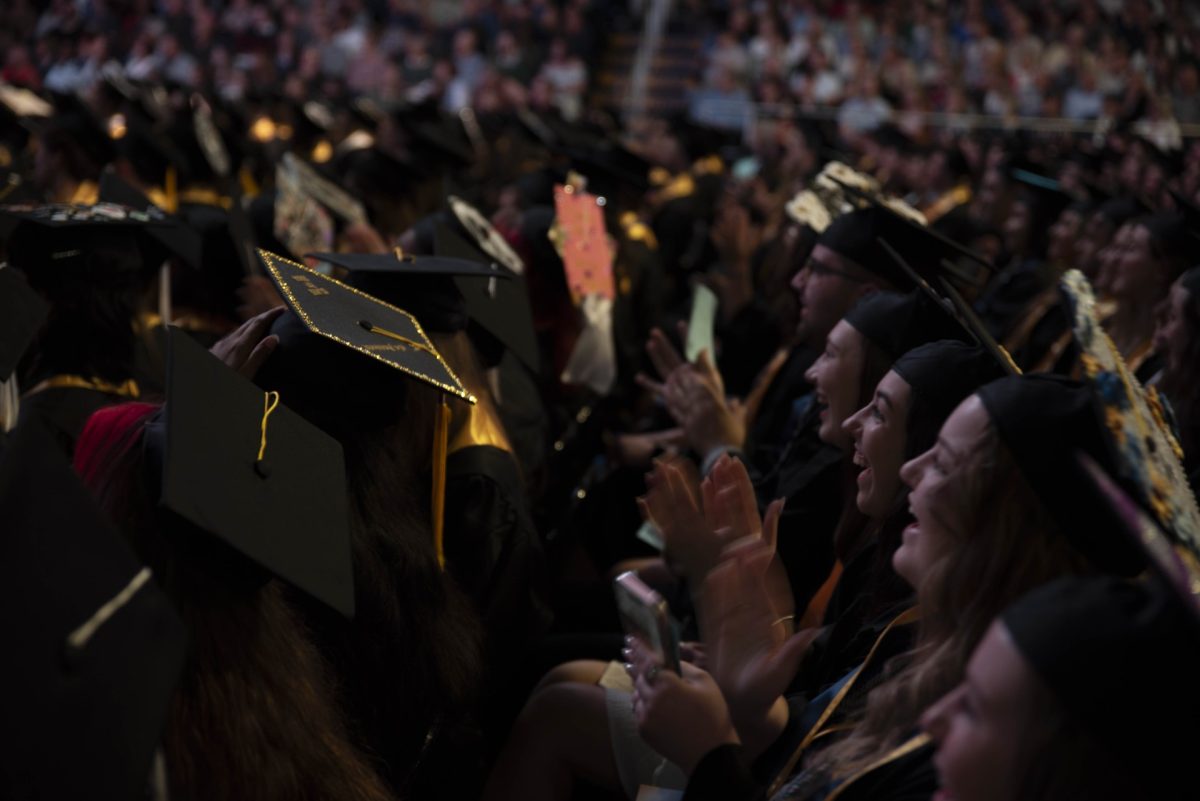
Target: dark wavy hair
pixel 255 716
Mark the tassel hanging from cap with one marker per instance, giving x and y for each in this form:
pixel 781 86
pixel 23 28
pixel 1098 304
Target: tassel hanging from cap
pixel 440 443
pixel 171 190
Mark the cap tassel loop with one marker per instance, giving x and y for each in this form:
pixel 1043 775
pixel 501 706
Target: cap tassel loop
pixel 78 639
pixel 270 402
pixel 440 445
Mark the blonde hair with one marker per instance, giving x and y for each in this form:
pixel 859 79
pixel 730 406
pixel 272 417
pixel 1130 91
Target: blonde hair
pixel 1005 543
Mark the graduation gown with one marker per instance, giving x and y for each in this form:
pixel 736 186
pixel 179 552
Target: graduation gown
pixel 64 411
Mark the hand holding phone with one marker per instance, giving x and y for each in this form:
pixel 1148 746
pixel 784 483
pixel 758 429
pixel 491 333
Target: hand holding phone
pixel 644 614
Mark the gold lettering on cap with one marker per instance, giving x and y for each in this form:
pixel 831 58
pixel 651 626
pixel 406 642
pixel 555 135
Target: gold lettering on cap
pixel 312 288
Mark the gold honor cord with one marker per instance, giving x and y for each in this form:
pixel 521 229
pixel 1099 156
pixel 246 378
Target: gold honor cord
pixel 440 437
pixel 126 389
pixel 902 750
pixel 412 343
pixel 903 619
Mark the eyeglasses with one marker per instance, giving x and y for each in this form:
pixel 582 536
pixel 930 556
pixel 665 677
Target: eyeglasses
pixel 821 268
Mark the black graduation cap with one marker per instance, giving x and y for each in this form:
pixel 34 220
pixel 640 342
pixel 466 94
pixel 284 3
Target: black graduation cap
pixel 22 312
pixel 1044 420
pixel 946 372
pixel 898 323
pixel 360 322
pixel 1121 658
pixel 501 308
pixel 425 285
pixel 1045 195
pixel 240 466
pixel 92 647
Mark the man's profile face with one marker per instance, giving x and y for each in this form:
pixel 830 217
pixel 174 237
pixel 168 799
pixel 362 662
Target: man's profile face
pixel 826 287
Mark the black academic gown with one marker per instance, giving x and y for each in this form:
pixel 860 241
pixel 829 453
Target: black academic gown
pixel 495 553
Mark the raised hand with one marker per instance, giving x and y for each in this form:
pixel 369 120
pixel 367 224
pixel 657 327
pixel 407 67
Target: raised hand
pixel 248 346
pixel 752 652
pixel 673 503
pixel 695 396
pixel 665 358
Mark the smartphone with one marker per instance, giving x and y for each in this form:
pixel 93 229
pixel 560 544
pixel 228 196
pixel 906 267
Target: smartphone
pixel 644 614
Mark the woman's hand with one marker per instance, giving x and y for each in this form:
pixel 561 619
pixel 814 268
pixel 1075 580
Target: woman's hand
pixel 751 649
pixel 248 346
pixel 681 717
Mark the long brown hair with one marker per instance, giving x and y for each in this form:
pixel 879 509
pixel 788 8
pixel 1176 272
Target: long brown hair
pixel 255 715
pixel 1006 543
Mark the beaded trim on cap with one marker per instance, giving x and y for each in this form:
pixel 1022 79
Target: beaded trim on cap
pixel 1148 450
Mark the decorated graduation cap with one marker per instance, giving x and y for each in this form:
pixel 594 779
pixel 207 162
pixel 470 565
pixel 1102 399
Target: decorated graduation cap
pixel 1149 456
pixel 56 241
pixel 1121 659
pixel 1043 421
pixel 22 312
pixel 337 330
pixel 236 465
pixel 484 235
pixel 93 648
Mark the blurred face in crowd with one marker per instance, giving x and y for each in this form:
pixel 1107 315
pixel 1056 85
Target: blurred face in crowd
pixel 931 497
pixel 1063 236
pixel 837 375
pixel 1108 257
pixel 988 203
pixel 1087 247
pixel 979 727
pixel 826 287
pixel 879 432
pixel 1135 270
pixel 1171 337
pixel 1016 227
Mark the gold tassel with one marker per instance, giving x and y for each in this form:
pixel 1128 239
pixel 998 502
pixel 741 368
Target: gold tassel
pixel 171 190
pixel 440 437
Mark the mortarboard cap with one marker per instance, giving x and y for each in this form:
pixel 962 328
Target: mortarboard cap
pixel 1148 456
pixel 500 308
pixel 240 466
pixel 1093 640
pixel 424 284
pixel 359 322
pixel 898 323
pixel 477 229
pixel 1044 420
pixel 946 372
pixel 22 312
pixel 57 241
pixel 93 648
pixel 1046 195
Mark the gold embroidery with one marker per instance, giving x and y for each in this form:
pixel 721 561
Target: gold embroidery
pixel 127 389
